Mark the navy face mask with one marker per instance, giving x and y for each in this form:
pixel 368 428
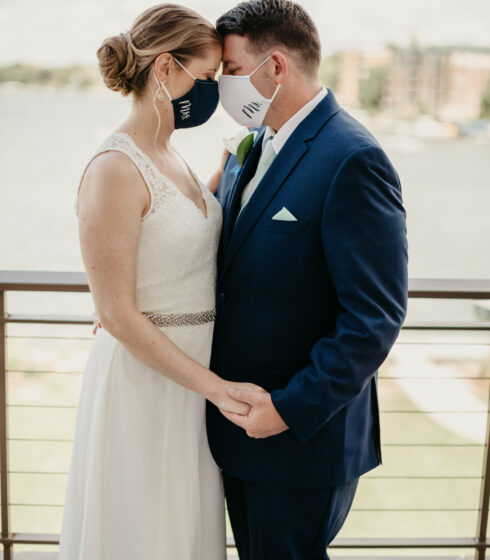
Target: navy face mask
pixel 197 105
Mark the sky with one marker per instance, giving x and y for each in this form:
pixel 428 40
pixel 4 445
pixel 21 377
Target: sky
pixel 59 32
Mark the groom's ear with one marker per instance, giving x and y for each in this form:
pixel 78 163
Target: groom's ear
pixel 281 66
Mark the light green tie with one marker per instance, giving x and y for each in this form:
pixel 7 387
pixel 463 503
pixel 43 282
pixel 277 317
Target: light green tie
pixel 266 158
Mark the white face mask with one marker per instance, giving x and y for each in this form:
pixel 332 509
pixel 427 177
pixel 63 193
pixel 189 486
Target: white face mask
pixel 241 99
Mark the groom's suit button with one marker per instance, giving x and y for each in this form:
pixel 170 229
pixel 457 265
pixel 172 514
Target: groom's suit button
pixel 222 296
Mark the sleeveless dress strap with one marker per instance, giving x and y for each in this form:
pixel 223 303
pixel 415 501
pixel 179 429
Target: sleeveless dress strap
pixel 121 142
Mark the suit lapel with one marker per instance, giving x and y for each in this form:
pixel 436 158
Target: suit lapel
pixel 231 203
pixel 287 159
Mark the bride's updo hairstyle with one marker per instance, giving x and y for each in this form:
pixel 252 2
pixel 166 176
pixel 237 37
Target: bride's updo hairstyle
pixel 125 60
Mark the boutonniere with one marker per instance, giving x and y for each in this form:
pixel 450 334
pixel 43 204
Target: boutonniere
pixel 241 144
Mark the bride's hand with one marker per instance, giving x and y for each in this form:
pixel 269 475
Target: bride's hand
pixel 224 402
pixel 215 179
pixel 96 323
pixel 245 385
pixel 231 405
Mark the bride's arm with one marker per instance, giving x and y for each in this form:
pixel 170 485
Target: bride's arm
pixel 112 200
pixel 215 179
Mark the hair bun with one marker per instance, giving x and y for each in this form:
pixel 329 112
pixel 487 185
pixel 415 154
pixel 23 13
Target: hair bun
pixel 117 63
pixel 126 60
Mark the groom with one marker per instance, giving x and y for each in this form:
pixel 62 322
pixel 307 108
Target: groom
pixel 311 290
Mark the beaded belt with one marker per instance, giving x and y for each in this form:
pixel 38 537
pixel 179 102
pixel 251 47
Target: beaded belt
pixel 181 319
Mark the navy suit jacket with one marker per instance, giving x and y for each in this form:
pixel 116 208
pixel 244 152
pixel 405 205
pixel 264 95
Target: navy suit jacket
pixel 309 309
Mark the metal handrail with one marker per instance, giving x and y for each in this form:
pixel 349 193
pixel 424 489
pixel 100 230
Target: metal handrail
pixel 47 281
pixel 76 282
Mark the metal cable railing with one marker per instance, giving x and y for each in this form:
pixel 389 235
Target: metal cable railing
pixel 12 281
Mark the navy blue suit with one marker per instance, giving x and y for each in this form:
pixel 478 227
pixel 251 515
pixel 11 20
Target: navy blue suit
pixel 309 309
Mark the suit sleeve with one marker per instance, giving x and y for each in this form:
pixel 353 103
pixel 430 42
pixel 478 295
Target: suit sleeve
pixel 230 171
pixel 224 176
pixel 363 231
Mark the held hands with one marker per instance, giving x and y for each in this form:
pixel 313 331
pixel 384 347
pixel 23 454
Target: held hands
pixel 262 420
pixel 245 404
pixel 230 405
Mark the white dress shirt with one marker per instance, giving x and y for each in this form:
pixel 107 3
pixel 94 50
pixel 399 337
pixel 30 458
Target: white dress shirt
pixel 281 136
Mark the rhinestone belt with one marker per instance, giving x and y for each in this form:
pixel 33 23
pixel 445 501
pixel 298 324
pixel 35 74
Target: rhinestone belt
pixel 181 319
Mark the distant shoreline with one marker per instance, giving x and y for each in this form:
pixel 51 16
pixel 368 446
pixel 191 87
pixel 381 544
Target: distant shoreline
pixel 98 90
pixel 17 85
pixel 415 128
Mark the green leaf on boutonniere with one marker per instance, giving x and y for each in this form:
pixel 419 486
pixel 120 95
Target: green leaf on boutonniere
pixel 244 148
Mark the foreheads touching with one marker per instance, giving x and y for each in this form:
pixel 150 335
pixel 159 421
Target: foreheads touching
pixel 253 30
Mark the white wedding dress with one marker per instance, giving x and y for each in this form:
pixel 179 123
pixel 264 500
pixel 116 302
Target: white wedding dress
pixel 142 483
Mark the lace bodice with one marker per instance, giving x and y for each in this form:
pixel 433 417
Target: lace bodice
pixel 177 251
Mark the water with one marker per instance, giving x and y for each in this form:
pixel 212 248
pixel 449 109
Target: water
pixel 47 136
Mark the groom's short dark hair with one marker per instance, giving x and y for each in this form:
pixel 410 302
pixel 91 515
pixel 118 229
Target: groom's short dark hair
pixel 270 23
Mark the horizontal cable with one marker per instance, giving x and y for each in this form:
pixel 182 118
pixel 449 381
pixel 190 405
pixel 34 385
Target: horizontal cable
pixel 365 477
pixel 423 477
pixel 383 444
pixel 398 343
pixel 47 319
pixel 433 444
pixel 41 439
pixel 35 505
pixel 434 411
pixel 47 337
pixel 380 377
pixel 31 371
pixel 341 543
pixel 399 510
pixel 442 343
pixel 449 327
pixel 41 406
pixel 419 510
pixel 39 472
pixel 19 405
pixel 432 378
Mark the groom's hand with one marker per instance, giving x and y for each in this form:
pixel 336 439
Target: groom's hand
pixel 263 420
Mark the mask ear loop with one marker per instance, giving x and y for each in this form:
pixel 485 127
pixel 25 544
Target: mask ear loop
pixel 274 94
pixel 259 66
pixel 160 95
pixel 184 68
pixel 278 85
pixel 162 84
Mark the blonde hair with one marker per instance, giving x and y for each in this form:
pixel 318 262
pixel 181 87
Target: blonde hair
pixel 125 60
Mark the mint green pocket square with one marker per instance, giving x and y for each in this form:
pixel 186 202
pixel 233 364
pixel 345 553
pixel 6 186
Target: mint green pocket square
pixel 284 215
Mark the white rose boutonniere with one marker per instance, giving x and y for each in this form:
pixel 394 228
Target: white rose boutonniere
pixel 241 144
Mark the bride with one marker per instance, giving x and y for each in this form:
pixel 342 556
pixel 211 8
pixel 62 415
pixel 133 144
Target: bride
pixel 142 482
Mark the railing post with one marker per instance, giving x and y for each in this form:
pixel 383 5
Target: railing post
pixel 484 495
pixel 4 489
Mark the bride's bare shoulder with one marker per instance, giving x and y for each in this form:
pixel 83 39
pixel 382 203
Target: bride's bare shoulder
pixel 110 165
pixel 111 173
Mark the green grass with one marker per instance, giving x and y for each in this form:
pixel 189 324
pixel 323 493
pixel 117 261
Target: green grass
pixel 412 498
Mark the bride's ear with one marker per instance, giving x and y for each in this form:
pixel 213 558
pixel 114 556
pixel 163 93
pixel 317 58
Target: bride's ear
pixel 163 66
